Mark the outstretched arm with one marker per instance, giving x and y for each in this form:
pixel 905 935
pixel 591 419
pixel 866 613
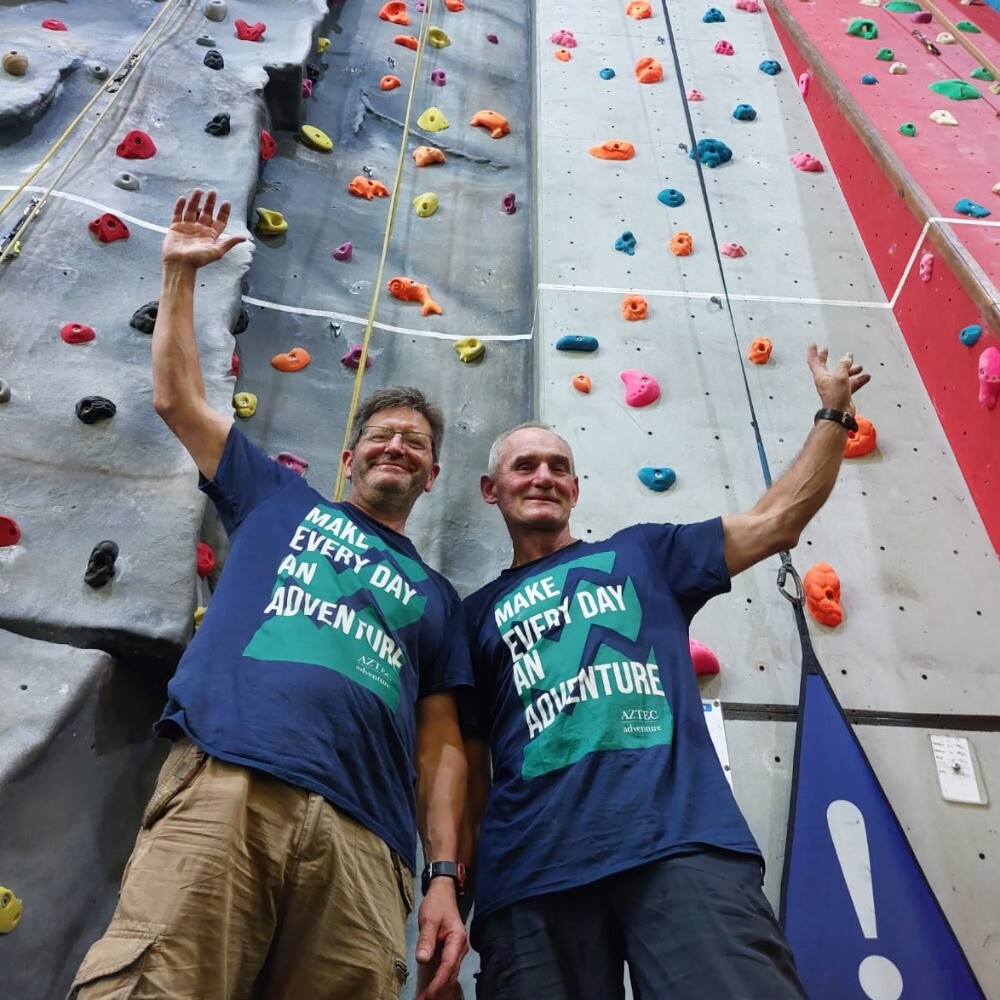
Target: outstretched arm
pixel 778 518
pixel 193 240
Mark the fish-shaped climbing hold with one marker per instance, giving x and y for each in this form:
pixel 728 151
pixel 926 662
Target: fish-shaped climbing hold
pixel 408 290
pixel 648 70
pixel 862 441
pixel 634 307
pixel 270 223
pixel 581 383
pixel 291 361
pixel 367 187
pixel 807 162
pixel 395 12
pixel 315 138
pixel 245 404
pixel 732 250
pixel 613 149
pixel 989 377
pixel 424 156
pixel 760 350
pixel 433 120
pixel 390 82
pixel 426 204
pixel 469 349
pixel 108 228
pixel 639 9
pixel 407 41
pixel 641 388
pixel 76 333
pixel 492 120
pixel 682 244
pixel 136 145
pixel 822 589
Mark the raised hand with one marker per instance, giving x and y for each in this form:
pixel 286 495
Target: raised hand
pixel 836 388
pixel 195 234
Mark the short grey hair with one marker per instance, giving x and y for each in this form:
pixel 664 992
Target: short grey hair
pixel 496 449
pixel 399 395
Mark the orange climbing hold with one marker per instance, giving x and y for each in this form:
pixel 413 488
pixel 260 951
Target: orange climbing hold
pixel 682 244
pixel 454 5
pixel 563 55
pixel 862 441
pixel 408 290
pixel 394 11
pixel 294 360
pixel 648 70
pixel 639 9
pixel 407 41
pixel 390 82
pixel 634 307
pixel 494 121
pixel 424 156
pixel 581 383
pixel 760 350
pixel 613 149
pixel 365 187
pixel 822 589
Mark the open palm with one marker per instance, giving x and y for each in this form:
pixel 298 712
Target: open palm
pixel 195 233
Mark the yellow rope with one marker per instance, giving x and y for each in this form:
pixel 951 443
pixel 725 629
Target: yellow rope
pixel 965 42
pixel 338 491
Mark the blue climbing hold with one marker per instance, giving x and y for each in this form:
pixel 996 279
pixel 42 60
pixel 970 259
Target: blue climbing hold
pixel 966 207
pixel 744 113
pixel 607 73
pixel 671 197
pixel 770 66
pixel 868 80
pixel 970 334
pixel 576 342
pixel 626 242
pixel 712 152
pixel 713 15
pixel 657 478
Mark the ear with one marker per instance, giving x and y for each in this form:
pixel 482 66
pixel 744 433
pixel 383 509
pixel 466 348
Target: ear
pixel 432 475
pixel 488 489
pixel 347 459
pixel 576 490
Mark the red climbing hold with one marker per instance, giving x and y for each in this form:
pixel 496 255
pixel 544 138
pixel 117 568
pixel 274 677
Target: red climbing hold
pixel 268 147
pixel 249 32
pixel 10 533
pixel 53 25
pixel 407 41
pixel 206 560
pixel 234 365
pixel 76 333
pixel 136 146
pixel 704 661
pixel 108 228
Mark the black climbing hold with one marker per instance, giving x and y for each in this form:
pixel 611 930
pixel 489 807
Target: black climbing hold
pixel 101 565
pixel 219 125
pixel 4 391
pixel 312 71
pixel 214 60
pixel 144 318
pixel 91 409
pixel 242 323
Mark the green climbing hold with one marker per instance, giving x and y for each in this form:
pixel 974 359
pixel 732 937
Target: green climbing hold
pixel 957 90
pixel 908 129
pixel 902 7
pixel 968 26
pixel 863 28
pixel 982 73
pixel 886 55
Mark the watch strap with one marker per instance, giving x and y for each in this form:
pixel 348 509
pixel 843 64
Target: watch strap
pixel 841 417
pixel 446 869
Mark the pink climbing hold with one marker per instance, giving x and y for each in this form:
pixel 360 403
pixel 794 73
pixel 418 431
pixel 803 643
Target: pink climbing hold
pixel 77 333
pixel 641 389
pixel 234 365
pixel 291 461
pixel 136 146
pixel 492 39
pixel 564 38
pixel 352 359
pixel 249 32
pixel 724 48
pixel 927 267
pixel 344 252
pixel 53 24
pixel 732 250
pixel 307 87
pixel 989 377
pixel 10 533
pixel 206 559
pixel 804 80
pixel 695 95
pixel 704 661
pixel 268 147
pixel 108 228
pixel 750 6
pixel 507 203
pixel 807 162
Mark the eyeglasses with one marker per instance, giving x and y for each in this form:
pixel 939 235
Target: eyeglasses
pixel 414 440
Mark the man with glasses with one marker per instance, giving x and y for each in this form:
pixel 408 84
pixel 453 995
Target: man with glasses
pixel 275 857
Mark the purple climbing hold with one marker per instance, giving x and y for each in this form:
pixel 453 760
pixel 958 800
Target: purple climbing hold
pixel 352 359
pixel 307 88
pixel 344 252
pixel 101 565
pixel 921 17
pixel 507 205
pixel 492 39
pixel 438 77
pixel 291 461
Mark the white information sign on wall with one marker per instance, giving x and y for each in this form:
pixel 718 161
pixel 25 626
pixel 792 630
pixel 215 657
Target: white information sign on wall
pixel 713 717
pixel 957 770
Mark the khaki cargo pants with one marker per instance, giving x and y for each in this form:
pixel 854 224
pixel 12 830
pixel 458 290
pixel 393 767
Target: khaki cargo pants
pixel 243 886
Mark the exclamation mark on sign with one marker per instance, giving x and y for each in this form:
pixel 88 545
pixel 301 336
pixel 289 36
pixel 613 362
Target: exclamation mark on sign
pixel 879 978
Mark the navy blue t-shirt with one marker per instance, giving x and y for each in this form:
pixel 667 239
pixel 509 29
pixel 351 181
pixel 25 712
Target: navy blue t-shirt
pixel 601 757
pixel 324 630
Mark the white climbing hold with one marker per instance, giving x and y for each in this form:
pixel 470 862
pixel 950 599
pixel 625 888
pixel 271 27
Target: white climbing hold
pixel 898 69
pixel 943 118
pixel 871 3
pixel 996 188
pixel 945 38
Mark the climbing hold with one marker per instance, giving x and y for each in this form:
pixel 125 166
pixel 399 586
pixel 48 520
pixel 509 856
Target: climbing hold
pixel 564 38
pixel 91 409
pixel 648 70
pixel 607 73
pixel 492 39
pixel 639 9
pixel 885 55
pixel 868 80
pixel 862 441
pixel 804 81
pixel 10 534
pixel 981 73
pixel 744 113
pixel 205 559
pixel 658 478
pixel 957 90
pixel 943 117
pixel 469 349
pixel 563 55
pixel 53 24
pixel 711 152
pixel 313 71
pixel 307 88
pixel 989 377
pixel 433 120
pixel 508 203
pixel 144 318
pixel 996 188
pixel 732 250
pixel 245 404
pixel 366 187
pixel 897 69
pixel 395 12
pixel 964 206
pixel 316 139
pixel 750 6
pixel 641 389
pixel 760 350
pixel 581 383
pixel 352 359
pixel 695 95
pixel 613 149
pixel 108 228
pixel 270 223
pixel 291 361
pixel 390 82
pixel 626 243
pixel 234 365
pixel 424 156
pixel 408 290
pixel 862 27
pixel 968 26
pixel 215 10
pixel 15 63
pixel 822 589
pixel 426 204
pixel 671 197
pixel 807 162
pixel 908 129
pixel 219 125
pixel 344 252
pixel 902 6
pixel 437 38
pixel 576 342
pixel 921 17
pixel 76 333
pixel 453 5
pixel 249 32
pixel 322 44
pixel 213 59
pixel 926 267
pixel 268 147
pixel 101 565
pixel 206 40
pixel 136 146
pixel 4 391
pixel 438 77
pixel 682 244
pixel 634 307
pixel 995 87
pixel 724 48
pixel 704 661
pixel 242 322
pixel 291 461
pixel 713 16
pixel 199 616
pixel 10 910
pixel 969 335
pixel 407 41
pixel 946 38
pixel 492 120
pixel 770 66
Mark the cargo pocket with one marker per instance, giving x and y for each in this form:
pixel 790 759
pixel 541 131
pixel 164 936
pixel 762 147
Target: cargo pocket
pixel 115 965
pixel 180 768
pixel 395 980
pixel 405 879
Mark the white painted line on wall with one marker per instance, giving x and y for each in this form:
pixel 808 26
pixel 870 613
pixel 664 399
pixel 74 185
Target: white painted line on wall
pixel 66 196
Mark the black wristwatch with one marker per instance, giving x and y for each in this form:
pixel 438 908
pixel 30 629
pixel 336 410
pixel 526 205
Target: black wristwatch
pixel 841 417
pixel 449 869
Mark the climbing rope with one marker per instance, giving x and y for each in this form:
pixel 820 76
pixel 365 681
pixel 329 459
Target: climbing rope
pixel 338 491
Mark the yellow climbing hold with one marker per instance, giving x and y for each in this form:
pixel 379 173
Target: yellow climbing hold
pixel 10 910
pixel 270 223
pixel 245 404
pixel 322 44
pixel 437 38
pixel 426 204
pixel 199 613
pixel 316 139
pixel 943 118
pixel 433 120
pixel 469 349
